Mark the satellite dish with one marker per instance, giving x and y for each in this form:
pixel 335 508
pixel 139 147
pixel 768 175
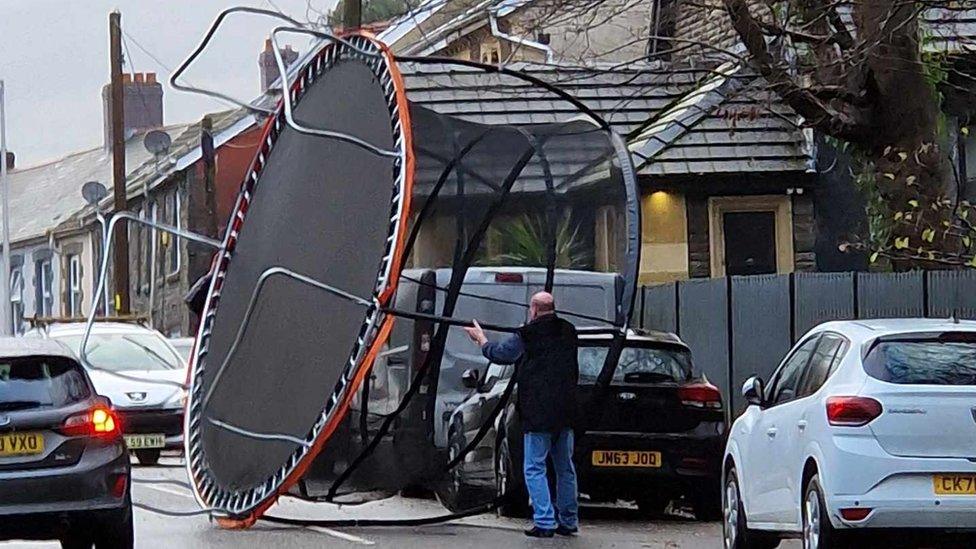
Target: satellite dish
pixel 157 142
pixel 94 192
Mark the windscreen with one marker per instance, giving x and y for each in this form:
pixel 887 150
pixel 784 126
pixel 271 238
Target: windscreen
pixel 121 352
pixel 637 364
pixel 923 362
pixel 41 382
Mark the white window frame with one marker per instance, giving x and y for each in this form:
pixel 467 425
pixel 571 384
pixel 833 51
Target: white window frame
pixel 45 305
pixel 74 285
pixel 17 299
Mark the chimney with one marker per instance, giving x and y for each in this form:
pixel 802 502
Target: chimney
pixel 11 160
pixel 268 66
pixel 142 104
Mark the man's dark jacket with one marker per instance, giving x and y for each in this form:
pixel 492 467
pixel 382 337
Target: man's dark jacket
pixel 548 375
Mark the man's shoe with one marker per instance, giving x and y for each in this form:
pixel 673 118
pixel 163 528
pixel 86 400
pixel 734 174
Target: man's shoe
pixel 536 532
pixel 566 531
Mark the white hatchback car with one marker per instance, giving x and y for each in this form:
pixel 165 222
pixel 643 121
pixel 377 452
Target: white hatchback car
pixel 865 425
pixel 137 368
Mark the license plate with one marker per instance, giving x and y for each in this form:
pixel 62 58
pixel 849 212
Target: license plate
pixel 954 485
pixel 142 442
pixel 625 458
pixel 21 444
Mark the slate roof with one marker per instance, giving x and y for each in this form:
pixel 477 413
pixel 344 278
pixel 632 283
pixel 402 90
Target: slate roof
pixel 950 30
pixel 43 196
pixel 679 122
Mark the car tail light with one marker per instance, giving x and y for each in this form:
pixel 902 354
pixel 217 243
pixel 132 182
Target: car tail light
pixel 700 395
pixel 97 422
pixel 852 411
pixel 508 278
pixel 855 514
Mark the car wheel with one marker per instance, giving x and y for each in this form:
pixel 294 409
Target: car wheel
pixel 706 502
pixel 147 457
pixel 76 540
pixel 453 492
pixel 509 488
pixel 818 532
pixel 735 533
pixel 653 506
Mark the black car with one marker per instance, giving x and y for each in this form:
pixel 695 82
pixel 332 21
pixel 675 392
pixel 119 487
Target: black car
pixel 64 469
pixel 659 435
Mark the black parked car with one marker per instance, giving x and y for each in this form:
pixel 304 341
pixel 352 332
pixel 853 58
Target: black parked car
pixel 659 436
pixel 64 469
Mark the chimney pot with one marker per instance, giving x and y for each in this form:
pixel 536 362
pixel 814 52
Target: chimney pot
pixel 150 78
pixel 267 44
pixel 126 78
pixel 139 78
pixel 11 160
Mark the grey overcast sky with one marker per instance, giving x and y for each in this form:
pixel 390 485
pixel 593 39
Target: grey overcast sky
pixel 54 60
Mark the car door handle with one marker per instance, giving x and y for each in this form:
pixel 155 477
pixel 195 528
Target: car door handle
pixel 801 425
pixel 771 432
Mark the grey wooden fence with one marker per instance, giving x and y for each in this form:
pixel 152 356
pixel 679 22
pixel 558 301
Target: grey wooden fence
pixel 744 325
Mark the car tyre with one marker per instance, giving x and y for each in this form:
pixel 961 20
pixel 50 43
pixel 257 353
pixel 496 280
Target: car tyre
pixel 735 534
pixel 452 491
pixel 706 503
pixel 818 532
pixel 653 506
pixel 147 457
pixel 510 491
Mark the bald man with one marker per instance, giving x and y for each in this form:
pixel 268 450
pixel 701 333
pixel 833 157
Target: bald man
pixel 547 376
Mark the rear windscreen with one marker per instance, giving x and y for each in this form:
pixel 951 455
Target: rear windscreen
pixel 41 382
pixel 637 364
pixel 923 362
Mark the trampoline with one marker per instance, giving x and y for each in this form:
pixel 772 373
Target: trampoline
pixel 372 228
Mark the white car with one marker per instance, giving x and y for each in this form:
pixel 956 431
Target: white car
pixel 865 425
pixel 140 372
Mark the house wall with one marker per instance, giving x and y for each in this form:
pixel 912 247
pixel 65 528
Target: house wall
pixel 664 238
pixel 78 243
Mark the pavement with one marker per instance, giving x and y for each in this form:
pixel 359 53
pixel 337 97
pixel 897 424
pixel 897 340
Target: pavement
pixel 602 527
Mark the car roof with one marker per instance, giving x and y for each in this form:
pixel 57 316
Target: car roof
pixel 77 328
pixel 870 329
pixel 14 347
pixel 635 336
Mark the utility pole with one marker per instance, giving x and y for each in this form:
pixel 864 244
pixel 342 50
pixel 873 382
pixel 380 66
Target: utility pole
pixel 352 14
pixel 121 250
pixel 5 316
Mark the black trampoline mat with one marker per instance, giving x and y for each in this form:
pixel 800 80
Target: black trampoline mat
pixel 321 208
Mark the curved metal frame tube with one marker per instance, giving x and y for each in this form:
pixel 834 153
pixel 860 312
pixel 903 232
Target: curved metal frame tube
pixel 101 289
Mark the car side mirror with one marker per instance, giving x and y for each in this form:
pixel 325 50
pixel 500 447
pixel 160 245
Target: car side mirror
pixel 752 391
pixel 471 378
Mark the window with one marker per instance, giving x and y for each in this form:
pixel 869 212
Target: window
pixel 127 351
pixel 637 364
pixel 17 299
pixel 41 382
pixel 967 160
pixel 491 53
pixel 43 282
pixel 74 285
pixel 662 29
pixel 150 246
pixel 174 241
pixel 921 359
pixel 782 387
pixel 830 350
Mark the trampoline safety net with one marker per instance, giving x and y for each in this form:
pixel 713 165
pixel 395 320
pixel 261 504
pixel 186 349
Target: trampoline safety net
pixel 330 359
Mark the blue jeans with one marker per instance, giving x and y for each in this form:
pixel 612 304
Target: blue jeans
pixel 537 446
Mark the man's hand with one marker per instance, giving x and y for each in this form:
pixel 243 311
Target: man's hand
pixel 476 334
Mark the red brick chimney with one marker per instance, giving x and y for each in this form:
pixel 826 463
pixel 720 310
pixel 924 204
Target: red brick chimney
pixel 142 104
pixel 268 66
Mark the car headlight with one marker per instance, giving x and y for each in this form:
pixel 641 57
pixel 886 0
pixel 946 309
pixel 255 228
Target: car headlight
pixel 178 400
